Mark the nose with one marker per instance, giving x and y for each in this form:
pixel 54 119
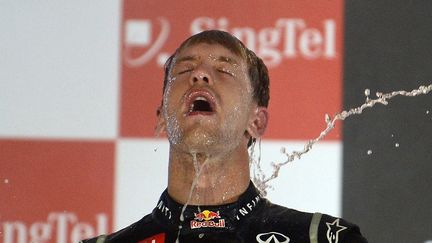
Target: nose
pixel 201 75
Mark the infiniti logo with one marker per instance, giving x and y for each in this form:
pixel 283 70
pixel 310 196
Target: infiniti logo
pixel 272 237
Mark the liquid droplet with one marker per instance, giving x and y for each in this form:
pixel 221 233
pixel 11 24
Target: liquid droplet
pixel 367 92
pixel 327 118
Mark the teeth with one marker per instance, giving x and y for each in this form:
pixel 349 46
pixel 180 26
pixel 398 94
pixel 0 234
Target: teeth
pixel 201 98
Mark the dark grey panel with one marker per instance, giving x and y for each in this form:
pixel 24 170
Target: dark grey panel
pixel 388 46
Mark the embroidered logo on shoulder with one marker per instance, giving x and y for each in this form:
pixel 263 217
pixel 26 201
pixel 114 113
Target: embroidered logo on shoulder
pixel 272 237
pixel 333 230
pixel 164 209
pixel 159 238
pixel 207 218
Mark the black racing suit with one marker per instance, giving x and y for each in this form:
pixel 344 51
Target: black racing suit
pixel 251 219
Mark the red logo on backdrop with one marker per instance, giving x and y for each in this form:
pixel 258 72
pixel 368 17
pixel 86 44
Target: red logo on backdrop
pixel 62 227
pixel 288 38
pixel 300 42
pixel 160 238
pixel 144 38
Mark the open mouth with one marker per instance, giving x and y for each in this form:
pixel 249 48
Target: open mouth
pixel 200 103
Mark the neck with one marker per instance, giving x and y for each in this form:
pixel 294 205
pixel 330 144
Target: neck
pixel 200 179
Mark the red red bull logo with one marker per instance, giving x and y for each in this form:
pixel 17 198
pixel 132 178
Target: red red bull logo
pixel 207 215
pixel 207 218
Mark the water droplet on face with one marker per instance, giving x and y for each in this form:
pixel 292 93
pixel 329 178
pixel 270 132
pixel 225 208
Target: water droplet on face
pixel 369 152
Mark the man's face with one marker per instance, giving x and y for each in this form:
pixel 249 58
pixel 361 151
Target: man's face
pixel 208 103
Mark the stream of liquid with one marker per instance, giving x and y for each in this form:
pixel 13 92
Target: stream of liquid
pixel 261 180
pixel 198 170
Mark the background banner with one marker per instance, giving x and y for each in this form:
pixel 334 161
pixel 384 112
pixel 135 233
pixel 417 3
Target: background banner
pixel 80 84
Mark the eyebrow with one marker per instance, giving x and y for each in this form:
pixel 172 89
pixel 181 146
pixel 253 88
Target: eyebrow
pixel 187 58
pixel 229 60
pixel 226 59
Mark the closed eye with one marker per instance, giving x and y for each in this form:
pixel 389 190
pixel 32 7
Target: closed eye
pixel 225 71
pixel 185 71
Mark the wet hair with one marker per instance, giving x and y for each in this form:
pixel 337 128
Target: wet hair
pixel 257 70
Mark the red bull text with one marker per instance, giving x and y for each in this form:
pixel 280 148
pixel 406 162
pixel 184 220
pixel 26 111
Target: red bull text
pixel 207 218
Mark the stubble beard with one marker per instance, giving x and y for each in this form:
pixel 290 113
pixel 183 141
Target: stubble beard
pixel 204 138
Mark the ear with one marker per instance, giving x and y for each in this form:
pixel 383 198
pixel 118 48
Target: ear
pixel 161 123
pixel 258 123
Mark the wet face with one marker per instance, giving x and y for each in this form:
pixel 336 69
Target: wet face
pixel 207 104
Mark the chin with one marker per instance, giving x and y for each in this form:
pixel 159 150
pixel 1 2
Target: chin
pixel 205 140
pixel 200 144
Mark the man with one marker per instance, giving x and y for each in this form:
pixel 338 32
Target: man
pixel 214 106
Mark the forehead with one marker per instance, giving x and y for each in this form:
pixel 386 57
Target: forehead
pixel 214 52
